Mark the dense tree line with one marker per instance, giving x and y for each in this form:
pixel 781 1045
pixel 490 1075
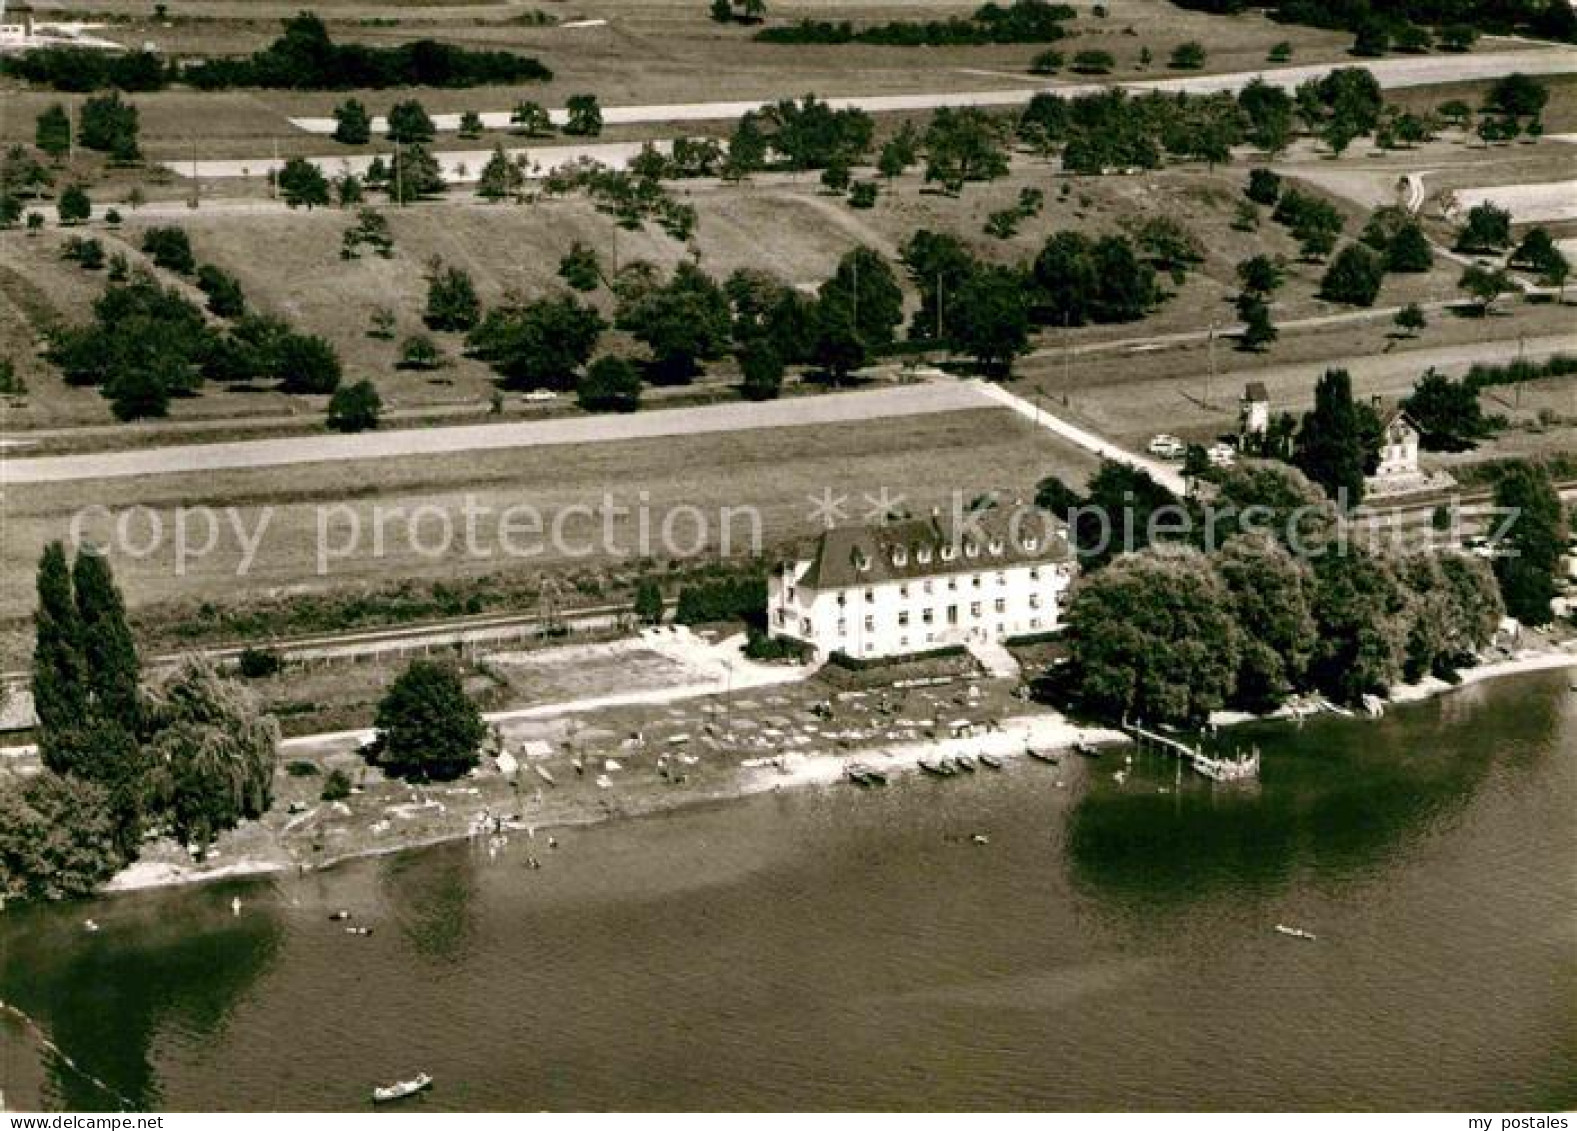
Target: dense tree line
pixel 192 756
pixel 1392 18
pixel 304 57
pixel 1023 21
pixel 1179 629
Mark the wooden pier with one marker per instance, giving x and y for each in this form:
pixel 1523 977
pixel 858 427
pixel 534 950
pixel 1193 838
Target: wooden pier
pixel 1216 769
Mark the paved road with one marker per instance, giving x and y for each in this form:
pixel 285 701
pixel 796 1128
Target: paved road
pixel 1422 70
pixel 872 404
pixel 1164 474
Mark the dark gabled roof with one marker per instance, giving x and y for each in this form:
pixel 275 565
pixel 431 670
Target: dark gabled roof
pixel 928 547
pixel 1255 391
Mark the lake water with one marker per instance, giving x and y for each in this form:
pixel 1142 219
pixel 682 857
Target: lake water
pixel 1111 947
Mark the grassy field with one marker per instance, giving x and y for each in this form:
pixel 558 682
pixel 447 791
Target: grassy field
pixel 775 471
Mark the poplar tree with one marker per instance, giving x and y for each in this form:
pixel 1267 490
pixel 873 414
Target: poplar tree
pixel 60 697
pixel 1330 447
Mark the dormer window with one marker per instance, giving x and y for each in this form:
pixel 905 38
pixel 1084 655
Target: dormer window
pixel 971 550
pixel 861 561
pixel 1031 545
pixel 900 556
pixel 923 555
pixel 948 553
pixel 995 546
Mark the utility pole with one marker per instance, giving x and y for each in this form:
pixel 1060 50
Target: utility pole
pixel 399 176
pixel 197 184
pixel 938 306
pixel 1210 377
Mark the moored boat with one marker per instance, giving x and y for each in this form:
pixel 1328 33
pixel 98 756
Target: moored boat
pixel 965 762
pixel 941 769
pixel 401 1089
pixel 1042 756
pixel 1088 749
pixel 990 761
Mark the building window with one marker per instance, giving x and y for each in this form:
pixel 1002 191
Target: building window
pixel 926 616
pixel 923 555
pixel 1034 573
pixel 782 616
pixel 870 624
pixel 1002 579
pixel 843 627
pixel 974 609
pixel 995 547
pixel 928 587
pixel 900 556
pixel 903 591
pixel 903 642
pixel 870 596
pixel 952 583
pixel 1000 605
pixel 903 618
pixel 975 581
pixel 804 627
pixel 971 550
pixel 948 553
pixel 952 614
pixel 843 599
pixel 1034 622
pixel 1034 600
pixel 1031 545
pixel 788 594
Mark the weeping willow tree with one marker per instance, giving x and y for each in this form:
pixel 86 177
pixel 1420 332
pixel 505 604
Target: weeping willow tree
pixel 213 752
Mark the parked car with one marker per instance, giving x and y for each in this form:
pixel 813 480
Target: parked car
pixel 1166 446
pixel 541 395
pixel 1222 455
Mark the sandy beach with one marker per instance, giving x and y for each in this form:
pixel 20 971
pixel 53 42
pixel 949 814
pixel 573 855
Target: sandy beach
pixel 407 818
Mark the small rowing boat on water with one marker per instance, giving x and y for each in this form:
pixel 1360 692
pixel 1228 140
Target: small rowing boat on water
pixel 403 1088
pixel 990 761
pixel 1294 932
pixel 942 769
pixel 865 776
pixel 1042 756
pixel 965 762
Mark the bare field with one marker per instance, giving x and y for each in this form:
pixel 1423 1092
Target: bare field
pixel 777 471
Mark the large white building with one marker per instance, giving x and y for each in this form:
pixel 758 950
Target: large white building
pixel 915 585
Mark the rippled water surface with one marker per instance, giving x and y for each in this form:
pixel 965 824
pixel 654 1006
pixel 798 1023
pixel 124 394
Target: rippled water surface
pixel 1111 947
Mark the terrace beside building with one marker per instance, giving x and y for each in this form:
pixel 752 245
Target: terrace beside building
pixel 915 585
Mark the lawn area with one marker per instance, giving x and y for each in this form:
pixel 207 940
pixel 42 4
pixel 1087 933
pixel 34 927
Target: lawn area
pixel 774 472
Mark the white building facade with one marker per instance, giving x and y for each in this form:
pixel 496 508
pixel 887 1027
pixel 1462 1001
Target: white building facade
pixel 916 585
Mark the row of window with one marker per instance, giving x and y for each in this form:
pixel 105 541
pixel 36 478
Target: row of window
pixel 976 581
pixel 927 616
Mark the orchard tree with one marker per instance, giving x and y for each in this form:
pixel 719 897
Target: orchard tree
pixel 352 124
pixel 610 384
pixel 52 133
pixel 539 344
pixel 110 125
pixel 409 124
pixel 1485 284
pixel 74 206
pixel 452 302
pixel 1488 229
pixel 1188 56
pixel 302 182
pixel 1354 276
pixel 991 319
pixel 530 119
pixel 355 407
pixel 584 116
pixel 1410 319
pixel 866 290
pixel 761 370
pixel 501 178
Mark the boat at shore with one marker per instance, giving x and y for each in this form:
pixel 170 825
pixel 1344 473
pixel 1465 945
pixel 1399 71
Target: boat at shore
pixel 965 762
pixel 990 761
pixel 865 775
pixel 941 768
pixel 1088 749
pixel 1045 756
pixel 1294 932
pixel 401 1089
